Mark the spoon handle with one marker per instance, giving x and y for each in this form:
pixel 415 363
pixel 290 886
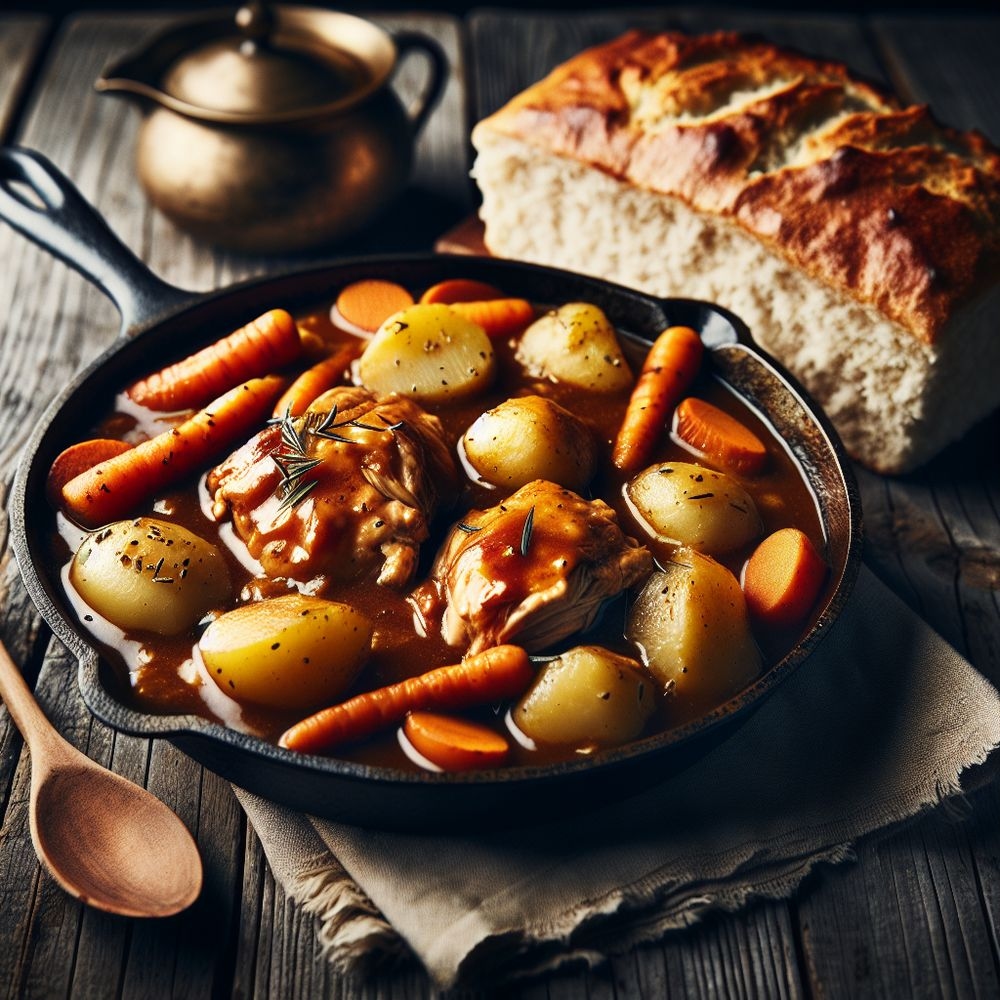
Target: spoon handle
pixel 28 716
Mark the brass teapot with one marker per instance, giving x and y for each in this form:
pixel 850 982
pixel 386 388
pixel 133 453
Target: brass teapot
pixel 277 130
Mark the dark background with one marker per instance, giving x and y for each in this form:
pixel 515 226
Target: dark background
pixel 460 6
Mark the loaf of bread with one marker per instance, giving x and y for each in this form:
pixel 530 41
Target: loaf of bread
pixel 857 238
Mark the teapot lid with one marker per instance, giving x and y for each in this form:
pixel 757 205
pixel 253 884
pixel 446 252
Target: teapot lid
pixel 256 71
pixel 269 65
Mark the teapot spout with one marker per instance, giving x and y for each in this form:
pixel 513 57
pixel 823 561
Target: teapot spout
pixel 130 77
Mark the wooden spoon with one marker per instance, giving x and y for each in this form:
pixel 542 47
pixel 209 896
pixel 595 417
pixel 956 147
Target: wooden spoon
pixel 105 840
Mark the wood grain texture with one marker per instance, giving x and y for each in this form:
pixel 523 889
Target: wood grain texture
pixel 947 62
pixel 916 913
pixel 21 39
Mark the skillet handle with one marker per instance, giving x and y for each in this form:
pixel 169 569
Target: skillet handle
pixel 39 201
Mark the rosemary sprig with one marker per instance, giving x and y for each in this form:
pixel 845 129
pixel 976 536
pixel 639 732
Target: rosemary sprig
pixel 329 423
pixel 294 461
pixel 295 492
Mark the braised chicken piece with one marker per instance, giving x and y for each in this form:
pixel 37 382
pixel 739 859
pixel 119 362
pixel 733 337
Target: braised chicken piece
pixel 348 488
pixel 532 570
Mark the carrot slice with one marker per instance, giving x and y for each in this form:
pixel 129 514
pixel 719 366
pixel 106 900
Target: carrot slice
pixel 669 369
pixel 313 382
pixel 721 438
pixel 260 348
pixel 77 458
pixel 114 488
pixel 455 744
pixel 368 304
pixel 783 578
pixel 498 317
pixel 492 675
pixel 460 290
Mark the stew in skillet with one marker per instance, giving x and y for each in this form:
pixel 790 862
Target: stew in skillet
pixel 440 528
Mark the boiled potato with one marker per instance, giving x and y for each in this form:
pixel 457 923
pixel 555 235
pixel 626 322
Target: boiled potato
pixel 576 344
pixel 291 651
pixel 690 505
pixel 428 352
pixel 150 574
pixel 691 622
pixel 587 697
pixel 528 438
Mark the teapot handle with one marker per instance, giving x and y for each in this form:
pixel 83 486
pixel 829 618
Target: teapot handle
pixel 412 41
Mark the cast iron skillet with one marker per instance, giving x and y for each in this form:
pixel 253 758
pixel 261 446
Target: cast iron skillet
pixel 160 322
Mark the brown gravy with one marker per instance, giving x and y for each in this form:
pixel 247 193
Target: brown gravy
pixel 164 675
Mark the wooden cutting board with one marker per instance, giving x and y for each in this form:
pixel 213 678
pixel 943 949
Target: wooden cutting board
pixel 465 238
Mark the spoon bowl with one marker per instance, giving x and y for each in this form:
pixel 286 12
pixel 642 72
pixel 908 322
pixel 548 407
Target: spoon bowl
pixel 108 842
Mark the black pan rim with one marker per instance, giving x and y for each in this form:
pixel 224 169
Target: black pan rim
pixel 184 728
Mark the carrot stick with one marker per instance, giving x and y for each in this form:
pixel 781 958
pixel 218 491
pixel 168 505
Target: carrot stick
pixel 669 369
pixel 782 578
pixel 79 458
pixel 494 674
pixel 260 348
pixel 116 487
pixel 368 304
pixel 314 381
pixel 720 437
pixel 498 317
pixel 455 744
pixel 460 290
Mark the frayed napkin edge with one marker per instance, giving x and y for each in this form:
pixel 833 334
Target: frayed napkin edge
pixel 353 934
pixel 623 923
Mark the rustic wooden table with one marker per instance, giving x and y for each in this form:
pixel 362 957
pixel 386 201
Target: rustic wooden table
pixel 917 911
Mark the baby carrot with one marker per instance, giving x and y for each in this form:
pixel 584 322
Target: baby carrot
pixel 782 578
pixel 368 304
pixel 453 743
pixel 460 290
pixel 718 436
pixel 498 317
pixel 669 369
pixel 114 488
pixel 79 458
pixel 260 348
pixel 492 675
pixel 314 381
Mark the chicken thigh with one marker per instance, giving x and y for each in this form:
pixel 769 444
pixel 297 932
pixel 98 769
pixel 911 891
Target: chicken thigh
pixel 348 488
pixel 532 570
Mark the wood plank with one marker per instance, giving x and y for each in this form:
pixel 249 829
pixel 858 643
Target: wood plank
pixel 948 62
pixel 22 37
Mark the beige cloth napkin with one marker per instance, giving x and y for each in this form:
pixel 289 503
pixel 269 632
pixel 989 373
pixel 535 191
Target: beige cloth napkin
pixel 875 727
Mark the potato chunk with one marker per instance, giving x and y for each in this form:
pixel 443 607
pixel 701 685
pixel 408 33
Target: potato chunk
pixel 528 438
pixel 150 574
pixel 589 697
pixel 429 353
pixel 575 343
pixel 291 651
pixel 690 505
pixel 692 624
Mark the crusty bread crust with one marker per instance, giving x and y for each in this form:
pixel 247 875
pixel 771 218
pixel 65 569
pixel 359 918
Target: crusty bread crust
pixel 874 200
